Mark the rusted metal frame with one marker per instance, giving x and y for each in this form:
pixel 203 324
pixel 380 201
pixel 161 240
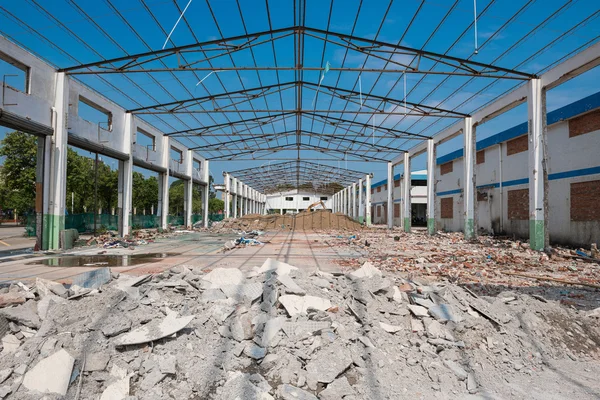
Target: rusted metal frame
pixel 232 123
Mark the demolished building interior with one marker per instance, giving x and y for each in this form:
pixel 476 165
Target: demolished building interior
pixel 374 200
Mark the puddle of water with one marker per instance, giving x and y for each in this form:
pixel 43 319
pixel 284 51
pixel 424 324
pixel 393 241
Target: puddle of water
pixel 102 260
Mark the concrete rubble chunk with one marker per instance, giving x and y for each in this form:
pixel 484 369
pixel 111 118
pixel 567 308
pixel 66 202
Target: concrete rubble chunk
pixel 390 328
pixel 337 389
pixel 152 379
pixel 289 392
pixel 47 287
pixel 291 286
pixel 270 331
pixel 222 309
pixel 322 283
pixel 367 270
pixel 254 351
pixel 51 375
pixel 93 279
pixel 118 390
pixel 471 383
pixel 5 391
pixel 459 371
pixel 329 363
pixel 10 344
pixel 115 326
pixel 396 294
pixel 96 362
pixel 220 277
pixel 247 291
pixel 25 314
pixel 279 267
pixel 168 365
pixel 443 313
pixel 4 374
pixel 240 386
pixel 299 328
pixel 154 330
pixel 295 305
pixel 241 328
pixel 210 295
pixel 418 311
pixel 11 299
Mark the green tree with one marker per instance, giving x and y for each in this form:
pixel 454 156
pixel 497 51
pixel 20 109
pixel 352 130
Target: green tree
pixel 177 198
pixel 145 193
pixel 18 173
pixel 215 205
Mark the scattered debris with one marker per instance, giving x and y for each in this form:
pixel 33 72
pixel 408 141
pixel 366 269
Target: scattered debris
pixel 51 375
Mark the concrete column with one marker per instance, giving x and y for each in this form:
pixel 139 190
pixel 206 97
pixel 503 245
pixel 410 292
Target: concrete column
pixel 431 182
pixel 346 208
pixel 163 198
pixel 538 167
pixel 235 191
pixel 361 208
pixel 205 195
pixel 246 200
pixel 469 194
pixel 335 199
pixel 227 194
pixel 390 195
pixel 406 193
pixel 368 200
pixel 54 220
pixel 188 189
pixel 354 209
pixel 281 209
pixel 125 181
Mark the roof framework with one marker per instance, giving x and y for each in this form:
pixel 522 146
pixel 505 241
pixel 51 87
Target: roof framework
pixel 303 175
pixel 296 86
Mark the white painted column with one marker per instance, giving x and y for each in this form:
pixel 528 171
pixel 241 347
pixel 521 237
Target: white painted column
pixel 354 210
pixel 536 110
pixel 469 197
pixel 163 187
pixel 281 209
pixel 57 185
pixel 431 182
pixel 390 195
pixel 125 184
pixel 188 190
pixel 247 199
pixel 227 193
pixel 361 206
pixel 235 191
pixel 368 200
pixel 406 193
pixel 206 195
pixel 346 201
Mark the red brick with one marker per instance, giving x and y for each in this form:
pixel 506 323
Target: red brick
pixel 482 196
pixel 396 210
pixel 518 204
pixel 446 168
pixel 584 201
pixel 517 145
pixel 480 157
pixel 447 207
pixel 379 211
pixel 397 183
pixel 587 123
pixel 378 189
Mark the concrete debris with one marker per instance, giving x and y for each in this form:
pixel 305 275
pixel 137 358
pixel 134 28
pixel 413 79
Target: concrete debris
pixel 255 352
pixel 51 375
pixel 295 305
pixel 270 331
pixel 289 392
pixel 418 311
pixel 443 313
pixel 240 386
pixel 10 344
pixel 340 388
pixel 245 292
pixel 367 270
pixel 390 328
pixel 4 374
pixel 116 326
pixel 93 279
pixel 278 267
pixel 220 277
pixel 154 330
pixel 329 363
pixel 291 286
pixel 118 390
pixel 96 362
pixel 11 299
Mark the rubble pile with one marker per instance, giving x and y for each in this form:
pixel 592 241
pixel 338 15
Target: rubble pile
pixel 309 221
pixel 279 332
pixel 487 265
pixel 140 237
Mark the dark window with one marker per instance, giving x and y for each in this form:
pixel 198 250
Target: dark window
pixel 419 182
pixel 306 198
pixel 480 157
pixel 289 199
pixel 397 183
pixel 447 207
pixel 378 189
pixel 323 197
pixel 446 168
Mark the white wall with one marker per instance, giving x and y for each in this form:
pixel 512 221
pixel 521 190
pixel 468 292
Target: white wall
pixel 274 201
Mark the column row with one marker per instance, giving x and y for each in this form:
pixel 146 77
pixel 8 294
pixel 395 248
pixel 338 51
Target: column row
pixel 240 199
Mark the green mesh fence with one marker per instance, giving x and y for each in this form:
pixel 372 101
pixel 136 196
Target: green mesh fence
pixel 196 218
pixel 216 217
pixel 85 222
pixel 30 225
pixel 145 221
pixel 176 220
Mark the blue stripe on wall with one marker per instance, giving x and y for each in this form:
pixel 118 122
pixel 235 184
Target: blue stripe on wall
pixel 569 111
pixel 449 192
pixel 574 173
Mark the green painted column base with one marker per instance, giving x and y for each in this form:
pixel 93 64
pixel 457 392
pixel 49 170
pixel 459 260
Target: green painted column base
pixel 53 224
pixel 406 224
pixel 368 223
pixel 469 229
pixel 431 226
pixel 361 219
pixel 536 234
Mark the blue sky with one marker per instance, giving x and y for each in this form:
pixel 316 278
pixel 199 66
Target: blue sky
pixel 530 36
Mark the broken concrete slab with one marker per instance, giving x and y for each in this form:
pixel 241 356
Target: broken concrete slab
pixel 154 330
pixel 299 328
pixel 116 326
pixel 152 379
pixel 279 267
pixel 295 305
pixel 291 286
pixel 93 279
pixel 240 386
pixel 10 344
pixel 219 277
pixel 367 270
pixel 329 363
pixel 25 314
pixel 4 374
pixel 459 371
pixel 96 362
pixel 418 311
pixel 210 295
pixel 244 292
pixel 168 365
pixel 51 375
pixel 5 391
pixel 241 328
pixel 118 390
pixel 443 313
pixel 256 352
pixel 289 392
pixel 11 299
pixel 337 389
pixel 390 328
pixel 270 331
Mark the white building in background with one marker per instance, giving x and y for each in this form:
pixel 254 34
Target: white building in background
pixel 418 196
pixel 294 201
